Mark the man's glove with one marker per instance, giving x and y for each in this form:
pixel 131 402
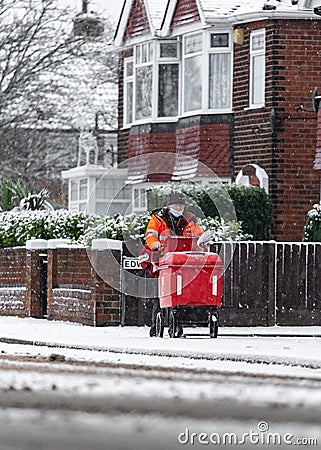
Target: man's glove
pixel 156 245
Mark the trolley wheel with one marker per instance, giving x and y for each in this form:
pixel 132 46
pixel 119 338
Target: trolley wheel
pixel 160 324
pixel 174 329
pixel 213 325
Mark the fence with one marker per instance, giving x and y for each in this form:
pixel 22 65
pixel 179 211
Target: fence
pixel 267 283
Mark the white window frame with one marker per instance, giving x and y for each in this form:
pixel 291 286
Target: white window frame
pixel 168 60
pixel 206 52
pixel 139 198
pixel 185 57
pixel 255 53
pixel 78 204
pixel 140 63
pixel 128 79
pixel 219 50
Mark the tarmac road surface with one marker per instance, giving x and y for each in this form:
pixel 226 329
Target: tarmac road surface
pixel 52 403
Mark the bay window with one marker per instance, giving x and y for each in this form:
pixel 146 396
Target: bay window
pixel 169 78
pixel 257 68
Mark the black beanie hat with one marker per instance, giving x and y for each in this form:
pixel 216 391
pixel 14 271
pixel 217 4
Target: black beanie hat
pixel 176 197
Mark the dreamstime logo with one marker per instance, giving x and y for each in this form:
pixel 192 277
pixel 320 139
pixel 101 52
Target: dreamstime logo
pixel 263 436
pixel 161 164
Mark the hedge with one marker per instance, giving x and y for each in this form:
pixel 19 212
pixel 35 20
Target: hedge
pixel 252 206
pixel 18 227
pixel 312 229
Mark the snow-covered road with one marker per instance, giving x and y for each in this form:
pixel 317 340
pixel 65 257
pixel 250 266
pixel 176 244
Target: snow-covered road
pixel 115 388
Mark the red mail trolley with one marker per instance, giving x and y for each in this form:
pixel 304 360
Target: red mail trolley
pixel 190 287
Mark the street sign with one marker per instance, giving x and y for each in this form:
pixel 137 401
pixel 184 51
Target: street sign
pixel 131 264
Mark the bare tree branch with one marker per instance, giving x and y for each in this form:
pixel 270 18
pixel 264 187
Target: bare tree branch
pixel 49 79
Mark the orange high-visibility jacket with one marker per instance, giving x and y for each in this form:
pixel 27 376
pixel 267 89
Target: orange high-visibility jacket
pixel 159 227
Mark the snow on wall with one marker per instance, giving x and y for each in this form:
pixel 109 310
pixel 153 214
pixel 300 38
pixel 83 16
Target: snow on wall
pixel 12 300
pixel 71 304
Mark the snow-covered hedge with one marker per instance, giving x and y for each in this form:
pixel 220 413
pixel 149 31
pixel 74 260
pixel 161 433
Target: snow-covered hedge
pixel 18 227
pixel 312 229
pixel 134 226
pixel 117 227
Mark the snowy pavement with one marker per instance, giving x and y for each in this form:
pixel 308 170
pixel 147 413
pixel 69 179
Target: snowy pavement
pixel 289 346
pixel 118 389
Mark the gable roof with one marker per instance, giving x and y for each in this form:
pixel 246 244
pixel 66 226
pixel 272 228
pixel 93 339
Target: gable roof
pixel 155 10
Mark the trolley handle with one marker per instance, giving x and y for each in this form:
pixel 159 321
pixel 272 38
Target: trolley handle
pixel 195 253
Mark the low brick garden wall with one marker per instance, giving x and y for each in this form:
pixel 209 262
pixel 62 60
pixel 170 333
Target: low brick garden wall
pixel 13 281
pixel 58 281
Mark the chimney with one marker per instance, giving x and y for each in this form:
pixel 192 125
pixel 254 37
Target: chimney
pixel 87 24
pixel 85 6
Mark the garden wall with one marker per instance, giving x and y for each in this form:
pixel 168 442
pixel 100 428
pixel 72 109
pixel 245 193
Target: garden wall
pixel 13 281
pixel 54 280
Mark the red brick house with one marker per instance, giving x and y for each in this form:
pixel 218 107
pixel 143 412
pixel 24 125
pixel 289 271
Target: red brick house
pixel 228 83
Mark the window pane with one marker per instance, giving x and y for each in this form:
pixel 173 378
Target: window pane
pixel 101 208
pixel 123 192
pixel 129 69
pixel 220 40
pixel 258 82
pixel 145 55
pixel 138 58
pixel 220 81
pixel 168 50
pixel 193 84
pixel 73 190
pixel 101 188
pixel 129 102
pixel 143 198
pixel 258 42
pixel 150 51
pixel 83 189
pixel 193 43
pixel 144 84
pixel 168 90
pixel 136 198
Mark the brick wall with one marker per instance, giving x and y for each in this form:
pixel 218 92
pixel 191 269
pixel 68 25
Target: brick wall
pixel 206 138
pixel 123 134
pixel 80 286
pixel 157 139
pixel 13 281
pixel 317 162
pixel 287 153
pixel 106 286
pixel 69 286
